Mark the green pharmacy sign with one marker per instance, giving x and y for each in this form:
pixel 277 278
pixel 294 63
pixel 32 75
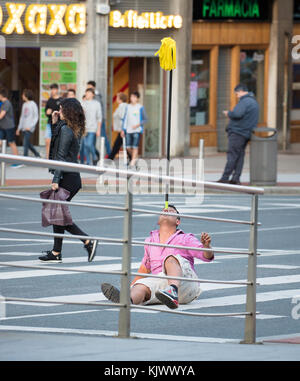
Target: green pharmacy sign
pixel 232 9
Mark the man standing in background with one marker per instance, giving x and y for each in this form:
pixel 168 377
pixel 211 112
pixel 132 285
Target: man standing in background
pixel 98 98
pixel 242 120
pixel 28 120
pixel 93 116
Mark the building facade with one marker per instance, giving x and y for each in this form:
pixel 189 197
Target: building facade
pixel 219 43
pixel 242 41
pixel 136 29
pixel 41 44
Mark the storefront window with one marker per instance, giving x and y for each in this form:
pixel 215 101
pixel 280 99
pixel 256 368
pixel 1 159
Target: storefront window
pixel 296 86
pixel 199 88
pixel 295 114
pixel 252 69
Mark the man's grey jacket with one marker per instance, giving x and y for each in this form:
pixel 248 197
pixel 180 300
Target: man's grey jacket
pixel 244 117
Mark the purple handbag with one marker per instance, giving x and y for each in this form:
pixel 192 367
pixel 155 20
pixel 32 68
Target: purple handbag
pixel 55 214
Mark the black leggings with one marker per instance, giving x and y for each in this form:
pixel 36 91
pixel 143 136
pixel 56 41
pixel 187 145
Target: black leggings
pixel 72 183
pixel 116 148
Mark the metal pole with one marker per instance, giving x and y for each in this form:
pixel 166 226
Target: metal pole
pixel 124 316
pixel 201 149
pixel 250 320
pixel 169 136
pixel 3 164
pixel 124 152
pixel 102 151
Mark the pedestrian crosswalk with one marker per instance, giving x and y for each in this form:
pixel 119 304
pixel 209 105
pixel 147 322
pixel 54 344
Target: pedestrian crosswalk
pixel 207 300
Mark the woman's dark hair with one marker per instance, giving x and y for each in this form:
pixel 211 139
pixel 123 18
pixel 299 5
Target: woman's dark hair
pixel 28 94
pixel 74 115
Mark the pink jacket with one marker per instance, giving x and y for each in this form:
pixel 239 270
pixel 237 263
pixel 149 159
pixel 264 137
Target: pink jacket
pixel 154 255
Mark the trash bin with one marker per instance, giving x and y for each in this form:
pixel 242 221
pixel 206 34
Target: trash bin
pixel 263 157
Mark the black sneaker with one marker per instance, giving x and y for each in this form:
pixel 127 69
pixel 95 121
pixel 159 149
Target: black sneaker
pixel 110 292
pixel 50 257
pixel 169 297
pixel 91 248
pixel 223 181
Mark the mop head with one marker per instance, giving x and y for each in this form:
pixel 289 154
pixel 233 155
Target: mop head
pixel 167 54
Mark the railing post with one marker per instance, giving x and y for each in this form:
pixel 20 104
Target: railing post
pixel 250 320
pixel 124 152
pixel 3 165
pixel 102 151
pixel 201 149
pixel 124 315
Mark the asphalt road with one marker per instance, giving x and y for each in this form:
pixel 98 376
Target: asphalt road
pixel 277 271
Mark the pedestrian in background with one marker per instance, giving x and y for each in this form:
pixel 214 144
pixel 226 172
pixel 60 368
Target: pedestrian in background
pixel 68 128
pixel 242 120
pixel 28 120
pixel 118 117
pixel 51 106
pixel 133 126
pixel 93 116
pixel 98 97
pixel 71 93
pixel 7 123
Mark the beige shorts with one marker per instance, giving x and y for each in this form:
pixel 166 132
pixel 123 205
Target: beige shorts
pixel 187 291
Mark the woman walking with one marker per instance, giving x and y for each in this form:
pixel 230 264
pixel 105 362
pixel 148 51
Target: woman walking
pixel 28 120
pixel 68 126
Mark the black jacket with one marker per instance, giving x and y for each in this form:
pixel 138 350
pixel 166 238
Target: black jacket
pixel 64 147
pixel 244 117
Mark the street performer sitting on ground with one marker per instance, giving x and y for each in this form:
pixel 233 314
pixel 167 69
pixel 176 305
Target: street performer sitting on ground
pixel 166 261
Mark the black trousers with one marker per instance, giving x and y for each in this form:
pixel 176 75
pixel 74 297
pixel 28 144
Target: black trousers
pixel 235 156
pixel 72 183
pixel 116 148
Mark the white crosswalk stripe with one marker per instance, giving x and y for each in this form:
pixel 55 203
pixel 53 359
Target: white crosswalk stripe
pixel 205 301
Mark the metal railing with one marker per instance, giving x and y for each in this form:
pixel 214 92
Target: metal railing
pixel 3 166
pixel 125 305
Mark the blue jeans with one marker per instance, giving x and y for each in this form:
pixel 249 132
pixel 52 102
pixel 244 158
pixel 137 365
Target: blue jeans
pixel 27 144
pixel 89 147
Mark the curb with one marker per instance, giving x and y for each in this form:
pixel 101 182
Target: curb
pixel 269 190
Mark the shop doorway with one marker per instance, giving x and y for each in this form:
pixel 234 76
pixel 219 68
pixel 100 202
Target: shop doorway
pixel 142 74
pixel 21 70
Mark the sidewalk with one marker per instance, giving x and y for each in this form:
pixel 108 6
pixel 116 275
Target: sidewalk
pixel 288 173
pixel 38 346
